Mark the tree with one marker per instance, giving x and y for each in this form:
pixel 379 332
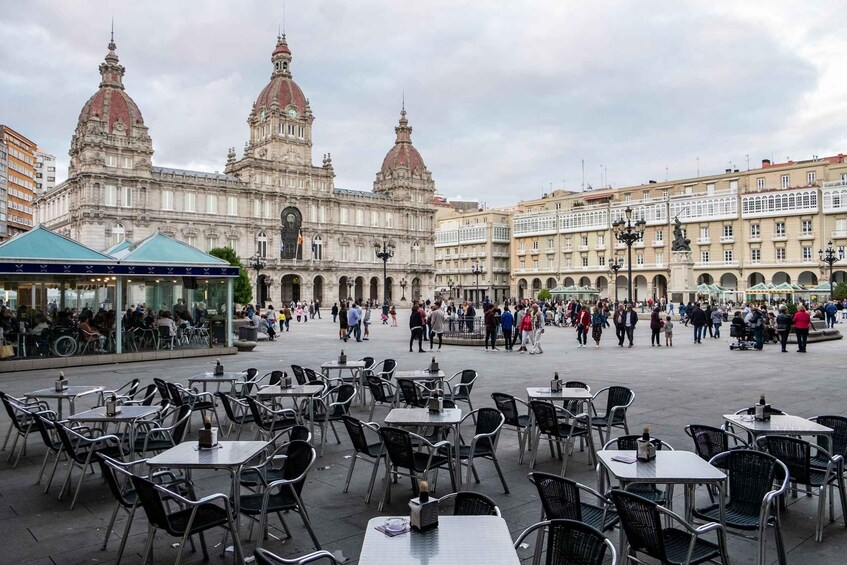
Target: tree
pixel 242 292
pixel 840 291
pixel 544 294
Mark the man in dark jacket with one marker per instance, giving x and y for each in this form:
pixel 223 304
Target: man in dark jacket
pixel 697 317
pixel 758 322
pixel 783 326
pixel 630 318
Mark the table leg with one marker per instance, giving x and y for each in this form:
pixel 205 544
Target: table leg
pixel 312 418
pixel 458 448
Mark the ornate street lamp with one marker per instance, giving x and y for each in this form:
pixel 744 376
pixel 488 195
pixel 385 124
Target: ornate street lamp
pixel 349 288
pixel 384 252
pixel 829 258
pixel 403 290
pixel 476 270
pixel 258 263
pixel 450 287
pixel 628 232
pixel 616 265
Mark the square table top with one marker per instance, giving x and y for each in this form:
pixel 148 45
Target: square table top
pixel 572 393
pixel 76 390
pixel 469 540
pixel 423 417
pixel 778 424
pixel 299 390
pixel 188 455
pixel 678 467
pixel 350 364
pixel 127 413
pixel 209 377
pixel 419 375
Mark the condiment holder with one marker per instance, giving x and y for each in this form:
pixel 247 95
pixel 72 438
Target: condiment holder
pixel 762 411
pixel 219 369
pixel 433 365
pixel 112 406
pixel 207 436
pixel 556 384
pixel 342 358
pixel 423 512
pixel 644 449
pixel 62 383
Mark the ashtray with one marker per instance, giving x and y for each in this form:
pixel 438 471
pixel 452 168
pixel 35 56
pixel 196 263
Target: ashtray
pixel 394 525
pixel 201 448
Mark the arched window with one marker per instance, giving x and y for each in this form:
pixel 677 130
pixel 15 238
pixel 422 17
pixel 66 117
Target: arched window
pixel 118 234
pixel 416 252
pixel 262 244
pixel 317 248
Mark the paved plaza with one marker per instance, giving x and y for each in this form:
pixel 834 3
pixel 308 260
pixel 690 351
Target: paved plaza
pixel 674 386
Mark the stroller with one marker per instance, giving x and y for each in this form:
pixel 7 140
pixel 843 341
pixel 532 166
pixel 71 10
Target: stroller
pixel 743 337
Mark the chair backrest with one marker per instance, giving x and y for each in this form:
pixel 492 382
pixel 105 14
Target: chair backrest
pixel 546 417
pixel 183 417
pixel 708 440
pixel 162 387
pixel 175 394
pixel 574 405
pixel 559 496
pixel 618 396
pixel 468 377
pixel 44 424
pixel 151 500
pixel 148 394
pixel 164 332
pixel 299 432
pixel 299 374
pixel 276 377
pixel 468 503
pixel 132 389
pixel 508 406
pixel 574 542
pixel 488 421
pixel 630 443
pixel 641 522
pixel 386 371
pixel 14 410
pixel 260 415
pixel 109 471
pixel 837 444
pixel 343 397
pixel 751 475
pixel 357 433
pixel 68 444
pixel 300 456
pixel 312 376
pixel 577 384
pixel 224 398
pixel 398 446
pixel 369 365
pixel 251 373
pixel 794 452
pixel 409 392
pixel 377 390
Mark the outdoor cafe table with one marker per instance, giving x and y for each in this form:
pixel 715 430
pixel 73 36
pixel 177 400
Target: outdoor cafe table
pixel 418 376
pixel 356 368
pixel 778 425
pixel 70 394
pixel 422 417
pixel 129 416
pixel 669 467
pixel 300 391
pixel 469 540
pixel 567 394
pixel 228 377
pixel 227 455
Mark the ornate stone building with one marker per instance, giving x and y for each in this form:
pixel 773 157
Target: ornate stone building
pixel 313 237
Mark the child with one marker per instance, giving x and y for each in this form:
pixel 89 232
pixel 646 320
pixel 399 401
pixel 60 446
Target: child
pixel 668 332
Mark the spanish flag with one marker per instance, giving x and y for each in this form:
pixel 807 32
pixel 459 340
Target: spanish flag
pixel 299 238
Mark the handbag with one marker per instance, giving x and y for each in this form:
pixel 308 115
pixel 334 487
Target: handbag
pixel 6 351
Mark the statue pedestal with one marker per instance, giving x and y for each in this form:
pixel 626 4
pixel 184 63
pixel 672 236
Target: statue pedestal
pixel 682 280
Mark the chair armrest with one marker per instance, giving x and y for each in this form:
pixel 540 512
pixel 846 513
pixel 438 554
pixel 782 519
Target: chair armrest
pixel 528 531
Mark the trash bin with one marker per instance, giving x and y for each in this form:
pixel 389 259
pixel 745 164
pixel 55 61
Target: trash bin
pixel 248 333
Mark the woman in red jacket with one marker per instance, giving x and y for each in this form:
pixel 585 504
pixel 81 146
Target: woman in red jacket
pixel 802 322
pixel 583 322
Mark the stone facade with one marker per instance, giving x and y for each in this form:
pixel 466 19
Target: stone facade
pixel 272 200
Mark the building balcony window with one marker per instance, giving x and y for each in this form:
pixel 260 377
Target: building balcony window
pixel 704 240
pixel 807 235
pixel 583 248
pixel 567 249
pixel 839 233
pixel 727 239
pixel 620 245
pixel 756 237
pixel 780 237
pixel 658 243
pixel 521 251
pixel 638 243
pixel 600 246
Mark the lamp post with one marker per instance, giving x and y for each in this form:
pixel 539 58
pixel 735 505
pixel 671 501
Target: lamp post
pixel 476 270
pixel 402 290
pixel 384 252
pixel 349 288
pixel 628 232
pixel 615 265
pixel 258 264
pixel 829 257
pixel 450 287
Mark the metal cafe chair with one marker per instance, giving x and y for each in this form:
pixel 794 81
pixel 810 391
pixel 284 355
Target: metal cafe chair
pixel 570 541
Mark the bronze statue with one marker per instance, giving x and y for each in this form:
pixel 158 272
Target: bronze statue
pixel 680 242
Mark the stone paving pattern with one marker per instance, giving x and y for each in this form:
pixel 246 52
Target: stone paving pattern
pixel 675 386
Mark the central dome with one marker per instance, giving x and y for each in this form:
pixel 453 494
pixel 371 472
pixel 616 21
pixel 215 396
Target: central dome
pixel 281 92
pixel 403 155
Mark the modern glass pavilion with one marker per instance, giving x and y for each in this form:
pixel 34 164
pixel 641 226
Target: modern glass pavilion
pixel 47 280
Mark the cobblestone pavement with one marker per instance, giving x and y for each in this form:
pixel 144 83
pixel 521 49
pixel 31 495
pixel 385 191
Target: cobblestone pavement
pixel 675 386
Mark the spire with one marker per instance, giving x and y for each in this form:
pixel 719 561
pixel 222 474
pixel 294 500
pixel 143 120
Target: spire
pixel 111 70
pixel 403 131
pixel 281 58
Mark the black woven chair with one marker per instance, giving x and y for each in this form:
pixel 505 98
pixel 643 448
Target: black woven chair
pixel 460 391
pixel 330 408
pixel 271 470
pixel 400 446
pixel 22 422
pixel 561 500
pixel 561 427
pixel 576 406
pixel 710 441
pixel 123 393
pixel 81 451
pixel 648 491
pixel 382 391
pixel 836 444
pixel 284 494
pixel 618 401
pixel 194 517
pixel 145 397
pixel 364 449
pixel 237 412
pixel 796 454
pixel 385 369
pixel 45 425
pixel 750 505
pixel 468 503
pixel 161 438
pixel 202 402
pixel 483 445
pixel 508 405
pixel 265 557
pixel 641 521
pixel 570 542
pixel 270 421
pixel 299 374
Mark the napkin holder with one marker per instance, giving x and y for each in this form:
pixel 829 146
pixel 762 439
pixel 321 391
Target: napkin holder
pixel 342 359
pixel 644 450
pixel 556 385
pixel 423 516
pixel 433 366
pixel 285 382
pixel 61 384
pixel 435 404
pixel 112 408
pixel 219 370
pixel 762 412
pixel 207 438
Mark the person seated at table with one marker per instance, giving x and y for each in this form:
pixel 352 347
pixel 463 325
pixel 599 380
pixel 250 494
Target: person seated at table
pixel 165 320
pixel 41 324
pixel 738 321
pixel 90 334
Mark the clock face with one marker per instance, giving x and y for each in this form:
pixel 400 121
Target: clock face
pixel 292 113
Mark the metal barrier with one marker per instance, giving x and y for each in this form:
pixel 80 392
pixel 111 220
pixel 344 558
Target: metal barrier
pixel 464 328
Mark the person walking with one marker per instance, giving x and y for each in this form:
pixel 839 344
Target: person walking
pixel 783 326
pixel 583 322
pixel 507 321
pixel 393 313
pixel 436 325
pixel 598 320
pixel 334 312
pixel 697 317
pixel 655 328
pixel 342 322
pixel 802 322
pixel 630 318
pixel 717 320
pixel 354 319
pixel 617 319
pixel 318 309
pixel 416 328
pixel 525 330
pixel 537 330
pixel 490 327
pixel 366 321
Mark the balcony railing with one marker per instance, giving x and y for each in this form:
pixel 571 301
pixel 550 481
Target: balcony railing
pixel 727 239
pixel 658 243
pixel 807 235
pixel 839 233
pixel 704 240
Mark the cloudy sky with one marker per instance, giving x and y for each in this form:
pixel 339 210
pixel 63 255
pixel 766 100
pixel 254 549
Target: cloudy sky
pixel 506 98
